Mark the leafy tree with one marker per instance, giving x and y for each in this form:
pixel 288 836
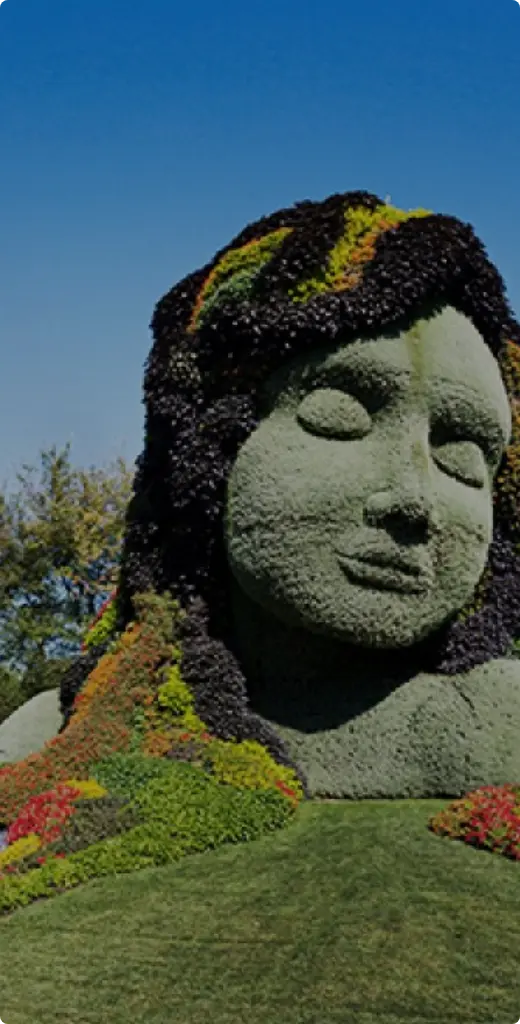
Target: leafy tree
pixel 11 693
pixel 60 541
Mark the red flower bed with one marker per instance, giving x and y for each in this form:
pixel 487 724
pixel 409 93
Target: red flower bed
pixel 488 818
pixel 45 815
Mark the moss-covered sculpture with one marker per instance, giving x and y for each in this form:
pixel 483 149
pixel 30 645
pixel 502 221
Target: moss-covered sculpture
pixel 329 486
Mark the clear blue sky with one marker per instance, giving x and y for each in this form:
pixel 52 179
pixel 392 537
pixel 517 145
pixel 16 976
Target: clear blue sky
pixel 136 138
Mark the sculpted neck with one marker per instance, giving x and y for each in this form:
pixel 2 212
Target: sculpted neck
pixel 310 682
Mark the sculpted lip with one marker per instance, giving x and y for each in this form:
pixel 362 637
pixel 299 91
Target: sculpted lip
pixel 386 571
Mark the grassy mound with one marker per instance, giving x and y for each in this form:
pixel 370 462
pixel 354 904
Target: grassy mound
pixel 356 912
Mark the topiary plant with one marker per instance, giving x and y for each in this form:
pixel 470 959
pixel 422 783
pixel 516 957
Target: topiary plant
pixel 347 553
pixel 329 492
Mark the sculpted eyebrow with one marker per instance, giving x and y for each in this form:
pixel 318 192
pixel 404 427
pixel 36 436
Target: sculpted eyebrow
pixel 470 416
pixel 370 376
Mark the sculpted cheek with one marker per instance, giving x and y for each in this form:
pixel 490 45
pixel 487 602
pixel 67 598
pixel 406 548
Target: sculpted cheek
pixel 466 516
pixel 280 481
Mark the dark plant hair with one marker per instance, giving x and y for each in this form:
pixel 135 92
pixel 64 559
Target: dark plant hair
pixel 288 283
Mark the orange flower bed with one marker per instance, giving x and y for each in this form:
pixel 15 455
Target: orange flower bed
pixel 101 726
pixel 104 672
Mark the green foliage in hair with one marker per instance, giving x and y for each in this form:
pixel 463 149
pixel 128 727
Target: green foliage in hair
pixel 103 627
pixel 173 695
pixel 235 274
pixel 353 249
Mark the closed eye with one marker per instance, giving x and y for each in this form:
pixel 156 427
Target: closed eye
pixel 463 460
pixel 334 414
pixel 488 439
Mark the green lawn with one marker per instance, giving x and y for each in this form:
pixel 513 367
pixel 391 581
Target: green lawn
pixel 355 913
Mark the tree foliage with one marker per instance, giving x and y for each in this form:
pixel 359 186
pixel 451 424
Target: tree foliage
pixel 61 532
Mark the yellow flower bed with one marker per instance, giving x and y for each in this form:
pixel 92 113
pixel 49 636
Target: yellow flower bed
pixel 89 789
pixel 19 850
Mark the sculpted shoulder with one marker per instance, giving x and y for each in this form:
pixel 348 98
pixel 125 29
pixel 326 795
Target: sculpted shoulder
pixel 503 672
pixel 492 688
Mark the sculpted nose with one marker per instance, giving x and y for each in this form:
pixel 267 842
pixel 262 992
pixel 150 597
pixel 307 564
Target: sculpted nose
pixel 406 512
pixel 404 503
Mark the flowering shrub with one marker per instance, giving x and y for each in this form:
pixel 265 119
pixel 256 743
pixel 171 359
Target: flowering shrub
pixel 172 727
pixel 45 818
pixel 181 812
pixel 44 815
pixel 125 774
pixel 19 850
pixel 87 789
pixel 488 818
pixel 100 798
pixel 170 713
pixel 104 673
pixel 93 822
pixel 111 701
pixel 136 699
pixel 249 765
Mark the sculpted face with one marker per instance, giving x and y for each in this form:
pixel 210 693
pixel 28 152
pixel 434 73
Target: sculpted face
pixel 361 506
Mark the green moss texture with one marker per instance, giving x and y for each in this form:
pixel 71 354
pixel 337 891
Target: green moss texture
pixel 359 518
pixel 330 488
pixel 427 736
